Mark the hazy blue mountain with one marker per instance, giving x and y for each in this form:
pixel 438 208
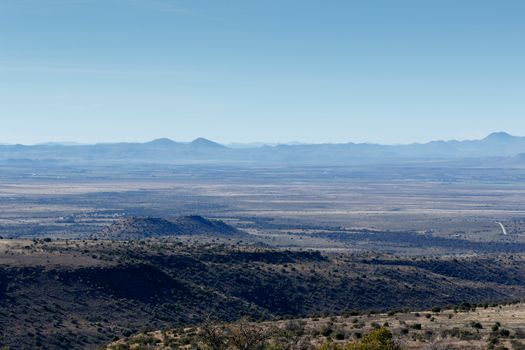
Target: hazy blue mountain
pixel 163 142
pixel 205 143
pixel 240 145
pixel 164 150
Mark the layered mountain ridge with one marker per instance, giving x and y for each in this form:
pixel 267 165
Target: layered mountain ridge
pixel 164 150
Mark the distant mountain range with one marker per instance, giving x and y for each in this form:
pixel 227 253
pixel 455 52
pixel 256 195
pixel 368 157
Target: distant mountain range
pixel 202 150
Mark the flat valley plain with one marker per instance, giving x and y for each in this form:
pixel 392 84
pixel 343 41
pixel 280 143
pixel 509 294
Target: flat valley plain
pixel 323 208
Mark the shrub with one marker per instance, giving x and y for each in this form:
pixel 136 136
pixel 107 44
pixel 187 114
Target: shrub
pixel 476 325
pixel 378 339
pixel 504 332
pixel 516 345
pixel 326 331
pixel 339 335
pixel 240 335
pixel 460 334
pixel 520 333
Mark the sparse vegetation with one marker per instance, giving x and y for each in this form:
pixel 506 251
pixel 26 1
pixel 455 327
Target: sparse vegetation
pixel 339 333
pixel 113 288
pixel 60 287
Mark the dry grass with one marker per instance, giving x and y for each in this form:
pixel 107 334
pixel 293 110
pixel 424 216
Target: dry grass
pixel 446 329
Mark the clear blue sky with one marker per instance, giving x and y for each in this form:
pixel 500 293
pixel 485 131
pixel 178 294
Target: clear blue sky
pixel 391 71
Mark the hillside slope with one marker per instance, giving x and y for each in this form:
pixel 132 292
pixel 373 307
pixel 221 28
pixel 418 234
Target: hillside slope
pixel 149 227
pixel 80 294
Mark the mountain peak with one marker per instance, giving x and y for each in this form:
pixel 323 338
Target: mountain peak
pixel 162 142
pixel 499 136
pixel 201 141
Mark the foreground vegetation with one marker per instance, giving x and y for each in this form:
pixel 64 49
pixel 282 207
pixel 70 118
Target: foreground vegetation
pixel 464 327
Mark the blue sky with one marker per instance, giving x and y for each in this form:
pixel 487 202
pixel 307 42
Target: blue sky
pixel 390 71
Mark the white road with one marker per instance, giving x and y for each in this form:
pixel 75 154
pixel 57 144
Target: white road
pixel 503 229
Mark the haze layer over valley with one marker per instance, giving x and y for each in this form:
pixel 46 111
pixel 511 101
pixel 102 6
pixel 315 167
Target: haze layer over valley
pixel 499 148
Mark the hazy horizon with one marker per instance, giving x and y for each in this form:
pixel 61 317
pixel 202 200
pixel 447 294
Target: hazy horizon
pixel 235 71
pixel 248 143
